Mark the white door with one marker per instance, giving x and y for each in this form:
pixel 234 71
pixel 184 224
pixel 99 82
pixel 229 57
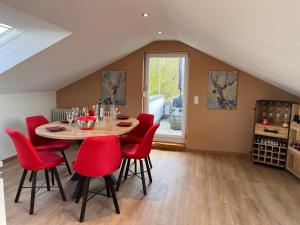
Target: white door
pixel 165 94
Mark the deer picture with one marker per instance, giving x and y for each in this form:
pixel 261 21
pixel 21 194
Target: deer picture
pixel 113 83
pixel 220 82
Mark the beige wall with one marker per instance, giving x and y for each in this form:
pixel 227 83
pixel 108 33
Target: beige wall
pixel 212 130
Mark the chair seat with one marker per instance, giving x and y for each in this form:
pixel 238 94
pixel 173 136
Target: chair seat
pixel 130 139
pixel 54 145
pixel 50 160
pixel 129 151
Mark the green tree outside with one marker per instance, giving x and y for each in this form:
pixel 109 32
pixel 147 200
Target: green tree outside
pixel 164 77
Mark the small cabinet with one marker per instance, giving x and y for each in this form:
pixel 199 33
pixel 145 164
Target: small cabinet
pixel 293 161
pixel 293 154
pixel 271 132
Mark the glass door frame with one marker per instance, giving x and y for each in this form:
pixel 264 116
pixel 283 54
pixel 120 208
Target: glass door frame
pixel 165 137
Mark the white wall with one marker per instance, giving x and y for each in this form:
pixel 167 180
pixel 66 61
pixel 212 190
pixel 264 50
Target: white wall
pixel 13 110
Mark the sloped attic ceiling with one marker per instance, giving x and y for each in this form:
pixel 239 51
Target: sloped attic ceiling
pixel 258 36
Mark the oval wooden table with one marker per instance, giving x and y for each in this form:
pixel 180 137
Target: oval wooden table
pixel 73 132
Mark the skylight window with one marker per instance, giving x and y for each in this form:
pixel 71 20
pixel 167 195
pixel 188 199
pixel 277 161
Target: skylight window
pixel 8 33
pixel 4 28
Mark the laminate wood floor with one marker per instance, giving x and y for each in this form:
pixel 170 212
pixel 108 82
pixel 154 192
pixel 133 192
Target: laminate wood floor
pixel 187 189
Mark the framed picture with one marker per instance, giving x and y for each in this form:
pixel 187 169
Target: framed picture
pixel 222 89
pixel 113 87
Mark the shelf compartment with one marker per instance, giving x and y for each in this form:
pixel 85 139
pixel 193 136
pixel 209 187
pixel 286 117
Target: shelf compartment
pixel 269 154
pixel 268 160
pixel 255 151
pixel 271 131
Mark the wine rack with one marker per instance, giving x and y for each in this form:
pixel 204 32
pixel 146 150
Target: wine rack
pixel 271 132
pixel 271 151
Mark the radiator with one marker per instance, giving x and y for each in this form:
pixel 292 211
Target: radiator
pixel 60 114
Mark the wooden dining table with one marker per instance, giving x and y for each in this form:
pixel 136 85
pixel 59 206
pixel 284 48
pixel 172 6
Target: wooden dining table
pixel 103 128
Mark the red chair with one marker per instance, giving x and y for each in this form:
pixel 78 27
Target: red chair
pixel 138 152
pixel 97 157
pixel 32 160
pixel 136 135
pixel 46 144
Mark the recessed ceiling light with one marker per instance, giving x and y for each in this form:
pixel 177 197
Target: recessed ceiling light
pixel 145 14
pixel 159 32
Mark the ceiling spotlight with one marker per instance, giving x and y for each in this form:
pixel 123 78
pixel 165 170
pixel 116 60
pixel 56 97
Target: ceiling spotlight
pixel 159 32
pixel 145 14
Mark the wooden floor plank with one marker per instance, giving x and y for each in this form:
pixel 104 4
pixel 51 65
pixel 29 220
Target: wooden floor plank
pixel 188 189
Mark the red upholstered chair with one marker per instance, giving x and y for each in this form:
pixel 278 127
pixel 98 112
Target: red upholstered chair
pixel 136 135
pixel 97 157
pixel 32 160
pixel 138 152
pixel 45 144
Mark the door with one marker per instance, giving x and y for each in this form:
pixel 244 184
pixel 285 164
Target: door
pixel 165 94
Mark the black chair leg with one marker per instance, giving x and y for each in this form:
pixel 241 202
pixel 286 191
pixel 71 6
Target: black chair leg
pixel 143 177
pixel 33 192
pixel 66 160
pixel 148 169
pixel 135 167
pixel 127 169
pixel 84 201
pixel 52 177
pixel 21 185
pixel 78 190
pixel 61 190
pixel 47 179
pixel 121 174
pixel 81 189
pixel 107 187
pixel 149 160
pixel 30 177
pixel 108 179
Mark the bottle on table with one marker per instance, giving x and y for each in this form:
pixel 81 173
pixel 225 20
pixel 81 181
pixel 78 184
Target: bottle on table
pixel 100 111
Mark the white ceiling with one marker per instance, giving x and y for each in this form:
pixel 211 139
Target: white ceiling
pixel 261 37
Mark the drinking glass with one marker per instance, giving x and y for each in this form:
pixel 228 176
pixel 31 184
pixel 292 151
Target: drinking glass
pixel 114 115
pixel 76 111
pixel 85 111
pixel 111 111
pixel 70 117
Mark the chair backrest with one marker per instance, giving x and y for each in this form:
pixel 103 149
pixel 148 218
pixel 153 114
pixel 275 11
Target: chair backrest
pixel 146 144
pixel 27 155
pixel 145 122
pixel 32 122
pixel 98 156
